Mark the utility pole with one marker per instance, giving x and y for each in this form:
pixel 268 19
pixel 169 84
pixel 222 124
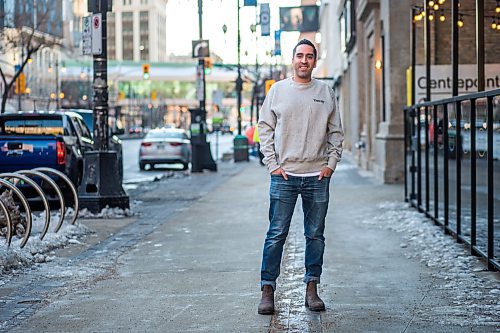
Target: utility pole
pixel 239 81
pixel 201 154
pixel 101 184
pixel 240 142
pixel 58 100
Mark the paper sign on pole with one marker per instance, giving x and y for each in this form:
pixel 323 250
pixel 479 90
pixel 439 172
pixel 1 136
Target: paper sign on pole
pixel 87 35
pixel 97 34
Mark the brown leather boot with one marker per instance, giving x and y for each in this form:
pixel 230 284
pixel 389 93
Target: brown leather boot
pixel 266 305
pixel 313 302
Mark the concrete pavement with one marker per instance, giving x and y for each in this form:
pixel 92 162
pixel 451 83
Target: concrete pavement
pixel 196 269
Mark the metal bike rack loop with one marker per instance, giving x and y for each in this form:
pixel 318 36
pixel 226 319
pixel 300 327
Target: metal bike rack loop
pixel 9 221
pixel 39 190
pixel 27 209
pixel 52 183
pixel 76 204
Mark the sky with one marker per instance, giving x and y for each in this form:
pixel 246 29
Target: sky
pixel 182 28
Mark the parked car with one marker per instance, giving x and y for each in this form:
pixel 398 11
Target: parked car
pixel 44 139
pixel 51 139
pixel 165 146
pixel 114 144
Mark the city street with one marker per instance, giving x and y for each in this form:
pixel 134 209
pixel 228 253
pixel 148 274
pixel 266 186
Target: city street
pixel 189 259
pixel 219 144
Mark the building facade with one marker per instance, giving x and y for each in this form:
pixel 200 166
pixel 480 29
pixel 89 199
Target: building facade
pixel 366 48
pixel 137 30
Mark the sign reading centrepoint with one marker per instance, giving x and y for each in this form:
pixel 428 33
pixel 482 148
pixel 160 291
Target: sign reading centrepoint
pixel 441 80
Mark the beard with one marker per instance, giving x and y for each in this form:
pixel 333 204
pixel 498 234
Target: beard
pixel 304 74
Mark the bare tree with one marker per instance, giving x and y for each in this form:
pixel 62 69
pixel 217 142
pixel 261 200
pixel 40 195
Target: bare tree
pixel 25 28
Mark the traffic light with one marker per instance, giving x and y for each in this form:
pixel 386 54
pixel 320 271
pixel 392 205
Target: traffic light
pixel 145 71
pixel 154 95
pixel 208 66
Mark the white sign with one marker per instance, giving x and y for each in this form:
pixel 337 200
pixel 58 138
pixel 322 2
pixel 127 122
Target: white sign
pixel 97 34
pixel 265 19
pixel 199 83
pixel 87 35
pixel 217 96
pixel 441 80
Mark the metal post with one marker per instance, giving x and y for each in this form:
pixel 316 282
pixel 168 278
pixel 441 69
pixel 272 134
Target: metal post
pixel 436 171
pixel 101 184
pixel 427 176
pixel 446 185
pixel 473 166
pixel 239 81
pixel 427 38
pixel 491 188
pixel 100 86
pixel 480 44
pixel 458 161
pixel 201 63
pixel 58 100
pixel 454 46
pixel 412 124
pixel 413 53
pixel 201 154
pixel 419 160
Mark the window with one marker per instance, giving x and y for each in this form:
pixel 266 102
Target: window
pixel 348 26
pixel 83 128
pixel 33 127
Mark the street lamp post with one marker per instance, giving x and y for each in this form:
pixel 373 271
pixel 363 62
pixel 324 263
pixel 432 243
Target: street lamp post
pixel 101 184
pixel 239 81
pixel 240 142
pixel 201 154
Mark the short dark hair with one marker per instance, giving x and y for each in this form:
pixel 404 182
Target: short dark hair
pixel 306 42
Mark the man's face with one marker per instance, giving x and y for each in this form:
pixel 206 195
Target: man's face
pixel 304 62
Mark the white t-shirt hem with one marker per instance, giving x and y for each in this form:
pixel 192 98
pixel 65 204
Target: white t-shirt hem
pixel 309 174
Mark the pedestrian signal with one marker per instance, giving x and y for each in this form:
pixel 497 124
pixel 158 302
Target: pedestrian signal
pixel 145 71
pixel 269 83
pixel 208 66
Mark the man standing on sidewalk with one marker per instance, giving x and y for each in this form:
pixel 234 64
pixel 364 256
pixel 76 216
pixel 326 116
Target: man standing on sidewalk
pixel 301 138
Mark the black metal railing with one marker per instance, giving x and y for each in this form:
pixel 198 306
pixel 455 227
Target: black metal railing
pixel 452 168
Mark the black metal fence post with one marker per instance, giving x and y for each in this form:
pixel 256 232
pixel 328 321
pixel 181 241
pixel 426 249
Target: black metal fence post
pixel 491 189
pixel 458 164
pixel 473 175
pixel 446 185
pixel 436 165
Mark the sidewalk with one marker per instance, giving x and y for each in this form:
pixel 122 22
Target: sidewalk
pixel 198 270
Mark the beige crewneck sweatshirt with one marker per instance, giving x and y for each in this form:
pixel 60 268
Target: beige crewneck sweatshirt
pixel 300 128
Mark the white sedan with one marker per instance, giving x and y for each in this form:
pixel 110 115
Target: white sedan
pixel 165 146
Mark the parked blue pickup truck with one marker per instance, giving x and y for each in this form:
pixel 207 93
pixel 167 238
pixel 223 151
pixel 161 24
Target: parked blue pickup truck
pixel 50 139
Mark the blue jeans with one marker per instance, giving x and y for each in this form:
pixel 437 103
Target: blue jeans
pixel 283 196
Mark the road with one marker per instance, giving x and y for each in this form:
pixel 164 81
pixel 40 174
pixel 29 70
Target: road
pixel 132 174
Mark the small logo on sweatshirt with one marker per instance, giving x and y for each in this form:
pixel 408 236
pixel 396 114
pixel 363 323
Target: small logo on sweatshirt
pixel 318 101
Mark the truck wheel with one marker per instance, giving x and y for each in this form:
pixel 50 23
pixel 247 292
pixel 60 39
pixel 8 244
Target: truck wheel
pixel 185 166
pixel 142 166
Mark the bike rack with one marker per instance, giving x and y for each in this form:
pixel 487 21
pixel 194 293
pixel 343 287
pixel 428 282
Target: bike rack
pixel 26 176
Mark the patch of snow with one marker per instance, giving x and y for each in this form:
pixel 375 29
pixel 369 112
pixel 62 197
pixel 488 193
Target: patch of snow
pixel 14 258
pixel 106 213
pixel 475 298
